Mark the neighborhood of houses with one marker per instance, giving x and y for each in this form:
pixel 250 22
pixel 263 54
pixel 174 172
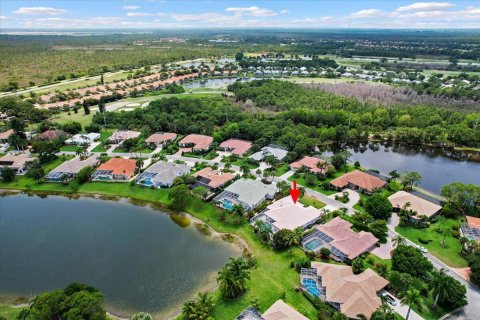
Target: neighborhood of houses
pixel 350 293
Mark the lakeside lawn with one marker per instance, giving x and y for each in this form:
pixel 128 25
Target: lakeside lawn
pixel 9 312
pixel 272 278
pixel 448 253
pixel 70 148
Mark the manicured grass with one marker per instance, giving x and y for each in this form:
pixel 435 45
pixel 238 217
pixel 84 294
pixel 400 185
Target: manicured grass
pixel 448 253
pixel 80 117
pixel 281 170
pixel 310 201
pixel 104 135
pixel 71 148
pixel 272 277
pixel 8 312
pixel 120 150
pixel 99 148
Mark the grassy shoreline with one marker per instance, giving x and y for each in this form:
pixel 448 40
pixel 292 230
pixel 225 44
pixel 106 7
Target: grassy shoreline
pixel 272 278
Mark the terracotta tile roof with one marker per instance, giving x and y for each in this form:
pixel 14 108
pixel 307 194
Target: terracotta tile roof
pixel 5 135
pixel 238 147
pixel 359 179
pixel 417 204
pixel 198 141
pixel 52 135
pixel 282 311
pixel 311 163
pixel 161 137
pixel 473 222
pixel 119 166
pixel 357 294
pixel 345 239
pixel 214 178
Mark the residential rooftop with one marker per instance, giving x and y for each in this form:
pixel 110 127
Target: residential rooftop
pixel 288 215
pixel 251 191
pixel 123 135
pixel 75 165
pixel 282 311
pixel 52 135
pixel 235 146
pixel 360 179
pixel 199 141
pixel 213 178
pixel 356 293
pixel 161 137
pixel 312 164
pixel 277 152
pixel 164 172
pixel 6 134
pixel 346 240
pixel 119 166
pixel 15 161
pixel 417 204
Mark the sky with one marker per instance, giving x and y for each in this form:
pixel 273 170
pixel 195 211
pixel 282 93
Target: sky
pixel 154 14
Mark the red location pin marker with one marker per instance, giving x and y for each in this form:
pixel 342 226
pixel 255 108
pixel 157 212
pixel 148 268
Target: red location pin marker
pixel 294 192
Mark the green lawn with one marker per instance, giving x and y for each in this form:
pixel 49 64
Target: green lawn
pixel 120 150
pixel 269 280
pixel 99 148
pixel 448 253
pixel 71 148
pixel 8 312
pixel 104 135
pixel 311 201
pixel 79 117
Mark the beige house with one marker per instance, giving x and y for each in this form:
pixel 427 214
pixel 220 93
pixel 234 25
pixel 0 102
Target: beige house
pixel 277 311
pixel 352 294
pixel 17 162
pixel 358 180
pixel 419 205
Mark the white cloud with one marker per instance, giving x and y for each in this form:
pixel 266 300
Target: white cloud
pixel 3 17
pixel 426 6
pixel 206 17
pixel 130 7
pixel 368 13
pixel 139 14
pixel 40 10
pixel 252 11
pixel 284 11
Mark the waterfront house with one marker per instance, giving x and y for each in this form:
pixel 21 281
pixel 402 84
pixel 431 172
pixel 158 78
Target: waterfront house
pixel 115 169
pixel 312 164
pixel 70 168
pixel 351 294
pixel 162 174
pixel 119 136
pixel 235 146
pixel 284 214
pixel 420 206
pixel 212 179
pixel 358 180
pixel 83 139
pixel 17 162
pixel 245 192
pixel 275 151
pixel 337 235
pixel 471 229
pixel 197 142
pixel 161 139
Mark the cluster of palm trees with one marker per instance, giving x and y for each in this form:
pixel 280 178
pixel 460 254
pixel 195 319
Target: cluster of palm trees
pixel 233 278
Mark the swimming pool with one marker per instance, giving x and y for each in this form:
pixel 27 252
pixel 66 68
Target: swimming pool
pixel 227 204
pixel 311 286
pixel 313 245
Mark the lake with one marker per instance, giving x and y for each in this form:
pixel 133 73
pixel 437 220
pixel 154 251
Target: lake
pixel 137 256
pixel 435 167
pixel 215 83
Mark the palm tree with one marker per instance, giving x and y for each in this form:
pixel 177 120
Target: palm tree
pixel 399 241
pixel 442 285
pixel 233 278
pixel 412 298
pixel 406 279
pixel 295 237
pixel 245 169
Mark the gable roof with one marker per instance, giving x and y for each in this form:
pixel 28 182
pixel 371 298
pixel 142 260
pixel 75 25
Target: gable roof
pixel 417 204
pixel 52 134
pixel 357 294
pixel 282 311
pixel 345 239
pixel 311 163
pixel 167 171
pixel 214 178
pixel 289 215
pixel 199 141
pixel 238 147
pixel 161 137
pixel 361 179
pixel 16 160
pixel 119 166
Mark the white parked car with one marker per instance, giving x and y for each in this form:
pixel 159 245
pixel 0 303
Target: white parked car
pixel 389 298
pixel 422 248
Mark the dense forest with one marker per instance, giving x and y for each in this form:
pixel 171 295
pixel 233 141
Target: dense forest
pixel 298 118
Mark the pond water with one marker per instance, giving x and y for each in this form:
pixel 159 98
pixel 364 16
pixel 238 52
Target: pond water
pixel 435 167
pixel 137 256
pixel 214 83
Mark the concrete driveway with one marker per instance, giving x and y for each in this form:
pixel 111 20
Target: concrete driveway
pixel 383 252
pixel 353 197
pixel 402 310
